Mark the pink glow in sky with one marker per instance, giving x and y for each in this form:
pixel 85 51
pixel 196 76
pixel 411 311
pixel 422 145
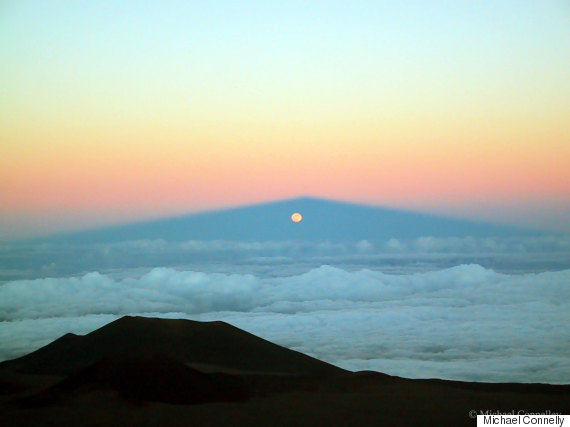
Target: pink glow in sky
pixel 109 116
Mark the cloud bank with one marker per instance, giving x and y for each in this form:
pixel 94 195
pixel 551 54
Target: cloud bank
pixel 506 254
pixel 466 322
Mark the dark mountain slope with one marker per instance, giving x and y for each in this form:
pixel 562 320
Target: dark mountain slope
pixel 156 378
pixel 186 341
pixel 153 374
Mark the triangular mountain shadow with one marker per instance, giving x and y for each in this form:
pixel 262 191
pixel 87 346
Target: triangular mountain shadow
pixel 322 220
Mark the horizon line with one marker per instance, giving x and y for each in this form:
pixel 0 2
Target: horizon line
pixel 59 234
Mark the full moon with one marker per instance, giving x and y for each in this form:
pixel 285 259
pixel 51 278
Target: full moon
pixel 296 217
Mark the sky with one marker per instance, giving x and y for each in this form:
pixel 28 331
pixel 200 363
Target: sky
pixel 115 111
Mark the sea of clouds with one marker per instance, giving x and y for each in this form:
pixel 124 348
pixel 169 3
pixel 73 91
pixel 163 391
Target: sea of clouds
pixel 278 258
pixel 412 309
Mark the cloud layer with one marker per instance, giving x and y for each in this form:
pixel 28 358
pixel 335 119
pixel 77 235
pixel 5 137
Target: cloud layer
pixel 465 322
pixel 281 258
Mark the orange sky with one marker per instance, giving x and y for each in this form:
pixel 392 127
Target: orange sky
pixel 146 115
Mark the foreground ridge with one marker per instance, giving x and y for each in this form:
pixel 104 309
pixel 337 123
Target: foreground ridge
pixel 148 371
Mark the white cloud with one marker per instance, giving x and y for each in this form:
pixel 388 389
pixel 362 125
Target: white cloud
pixel 508 254
pixel 19 337
pixel 364 246
pixel 465 322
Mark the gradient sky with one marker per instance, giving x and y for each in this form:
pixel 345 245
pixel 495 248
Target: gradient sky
pixel 122 110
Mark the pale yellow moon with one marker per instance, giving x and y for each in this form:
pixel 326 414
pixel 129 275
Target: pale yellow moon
pixel 296 217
